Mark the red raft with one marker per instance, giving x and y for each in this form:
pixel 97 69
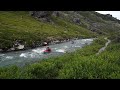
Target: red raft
pixel 48 50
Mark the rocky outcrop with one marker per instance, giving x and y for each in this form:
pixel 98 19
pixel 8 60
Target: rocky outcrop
pixel 76 20
pixel 56 13
pixel 88 19
pixel 41 15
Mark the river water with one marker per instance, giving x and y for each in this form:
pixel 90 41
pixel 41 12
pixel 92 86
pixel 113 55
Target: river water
pixel 21 58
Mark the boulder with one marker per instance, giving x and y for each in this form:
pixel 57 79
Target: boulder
pixel 12 49
pixel 20 47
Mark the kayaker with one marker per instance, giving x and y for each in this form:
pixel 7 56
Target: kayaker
pixel 48 50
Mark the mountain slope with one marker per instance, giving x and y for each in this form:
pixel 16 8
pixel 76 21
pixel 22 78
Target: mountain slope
pixel 32 28
pixel 19 26
pixel 87 19
pixel 81 64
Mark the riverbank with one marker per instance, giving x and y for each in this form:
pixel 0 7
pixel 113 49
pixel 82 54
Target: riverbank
pixel 82 64
pixel 23 47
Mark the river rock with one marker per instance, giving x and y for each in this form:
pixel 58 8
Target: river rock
pixel 1 50
pixel 20 47
pixel 12 49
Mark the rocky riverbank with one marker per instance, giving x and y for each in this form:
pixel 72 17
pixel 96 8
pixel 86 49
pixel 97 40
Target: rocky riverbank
pixel 18 45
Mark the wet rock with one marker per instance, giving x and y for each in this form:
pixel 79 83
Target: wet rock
pixel 4 49
pixel 20 47
pixel 44 44
pixel 12 49
pixel 1 50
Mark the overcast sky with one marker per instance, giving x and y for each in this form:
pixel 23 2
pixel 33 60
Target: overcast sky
pixel 115 14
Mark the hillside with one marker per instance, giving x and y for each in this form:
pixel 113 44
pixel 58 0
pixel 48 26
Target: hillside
pixel 20 27
pixel 32 28
pixel 102 24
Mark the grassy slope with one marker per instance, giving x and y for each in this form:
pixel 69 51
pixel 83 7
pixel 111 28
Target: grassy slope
pixel 81 64
pixel 19 25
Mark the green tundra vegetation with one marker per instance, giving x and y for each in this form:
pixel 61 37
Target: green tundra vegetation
pixel 19 25
pixel 81 64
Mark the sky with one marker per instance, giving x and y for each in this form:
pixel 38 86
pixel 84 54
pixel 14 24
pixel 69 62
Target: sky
pixel 115 14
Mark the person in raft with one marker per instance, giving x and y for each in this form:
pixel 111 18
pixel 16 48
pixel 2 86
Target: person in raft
pixel 48 50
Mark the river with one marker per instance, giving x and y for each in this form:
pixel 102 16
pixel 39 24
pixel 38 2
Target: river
pixel 21 58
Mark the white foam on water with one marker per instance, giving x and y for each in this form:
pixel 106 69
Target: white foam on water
pixel 32 55
pixel 65 46
pixel 23 55
pixel 82 42
pixel 2 54
pixel 77 46
pixel 89 39
pixel 61 50
pixel 55 48
pixel 40 51
pixel 9 57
